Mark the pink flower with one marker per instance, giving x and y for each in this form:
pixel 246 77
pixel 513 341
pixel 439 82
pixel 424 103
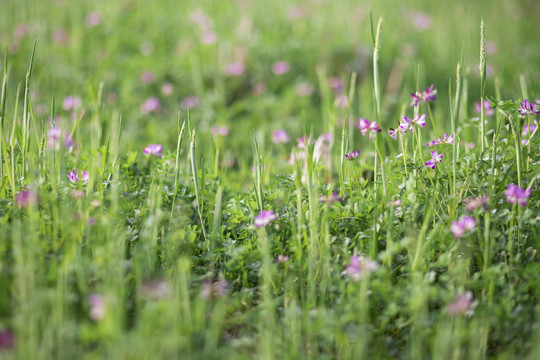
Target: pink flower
pixel 332 198
pixel 303 142
pixel 259 88
pixel 150 105
pixel 221 130
pixel 476 202
pixel 211 290
pixel 352 155
pixel 167 89
pixel 189 102
pixel 421 21
pixel 515 194
pixel 53 137
pixel 235 68
pixel 97 307
pixel 281 258
pixel 366 126
pixel 26 198
pixel 280 137
pixel 360 266
pixel 342 101
pixel 336 84
pixel 435 158
pixel 7 339
pixel 265 218
pixel 71 103
pixel 280 68
pixel 93 19
pixel 155 289
pixel 147 77
pixel 153 149
pixel 463 225
pixel 428 95
pixel 487 107
pixel 208 37
pixel 462 303
pixel 304 89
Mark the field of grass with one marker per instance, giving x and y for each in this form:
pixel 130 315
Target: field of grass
pixel 269 179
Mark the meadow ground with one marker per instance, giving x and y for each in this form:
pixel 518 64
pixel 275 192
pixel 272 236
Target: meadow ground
pixel 269 179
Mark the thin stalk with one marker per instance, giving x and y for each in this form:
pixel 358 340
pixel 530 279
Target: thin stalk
pixel 483 82
pixel 26 119
pixel 194 172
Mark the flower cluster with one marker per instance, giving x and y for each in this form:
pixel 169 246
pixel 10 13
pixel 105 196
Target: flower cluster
pixel 360 266
pixel 153 149
pixel 488 110
pixel 515 194
pixel 366 126
pixel 441 140
pixel 428 95
pixel 280 137
pixel 462 304
pixel 528 129
pixel 265 218
pixel 526 108
pixel 352 155
pixel 435 158
pixel 464 224
pixel 407 124
pixel 75 176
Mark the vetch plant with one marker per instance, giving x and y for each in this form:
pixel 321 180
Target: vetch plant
pixel 462 226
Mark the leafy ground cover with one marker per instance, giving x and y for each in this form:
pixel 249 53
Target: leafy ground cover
pixel 320 179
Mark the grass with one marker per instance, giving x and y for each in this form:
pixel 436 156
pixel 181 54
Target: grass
pixel 157 256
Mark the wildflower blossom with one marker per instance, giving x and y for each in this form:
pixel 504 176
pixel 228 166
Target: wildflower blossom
pixel 487 107
pixel 421 21
pixel 97 307
pixel 211 290
pixel 304 89
pixel 147 77
pixel 366 126
pixel 515 194
pixel 360 266
pixel 333 197
pixel 265 218
pixel 429 94
pixel 155 289
pixel 352 155
pixel 435 158
pixel 7 339
pixel 336 84
pixel 476 202
pixel 259 88
pixel 26 197
pixel 526 108
pixel 441 140
pixel 93 19
pixel 235 68
pixel 154 149
pixel 71 103
pixel 462 303
pixel 281 258
pixel 150 105
pixel 53 136
pixel 189 102
pixel 167 89
pixel 280 68
pixel 220 130
pixel 280 137
pixel 342 101
pixel 208 37
pixel 303 142
pixel 527 129
pixel 464 224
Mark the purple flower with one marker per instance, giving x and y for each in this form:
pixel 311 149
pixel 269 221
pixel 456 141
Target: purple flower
pixel 167 89
pixel 464 224
pixel 336 84
pixel 154 149
pixel 259 88
pixel 220 130
pixel 73 176
pixel 527 129
pixel 303 142
pixel 147 77
pixel 304 89
pixel 421 21
pixel 189 102
pixel 487 106
pixel 428 95
pixel 208 37
pixel 526 108
pixel 71 103
pixel 97 307
pixel 53 136
pixel 299 156
pixel 93 19
pixel 7 339
pixel 235 68
pixel 150 105
pixel 515 194
pixel 435 158
pixel 211 290
pixel 332 198
pixel 360 266
pixel 281 258
pixel 352 155
pixel 342 101
pixel 462 303
pixel 26 197
pixel 366 126
pixel 280 68
pixel 155 289
pixel 280 137
pixel 265 218
pixel 394 132
pixel 441 140
pixel 69 143
pixel 475 202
